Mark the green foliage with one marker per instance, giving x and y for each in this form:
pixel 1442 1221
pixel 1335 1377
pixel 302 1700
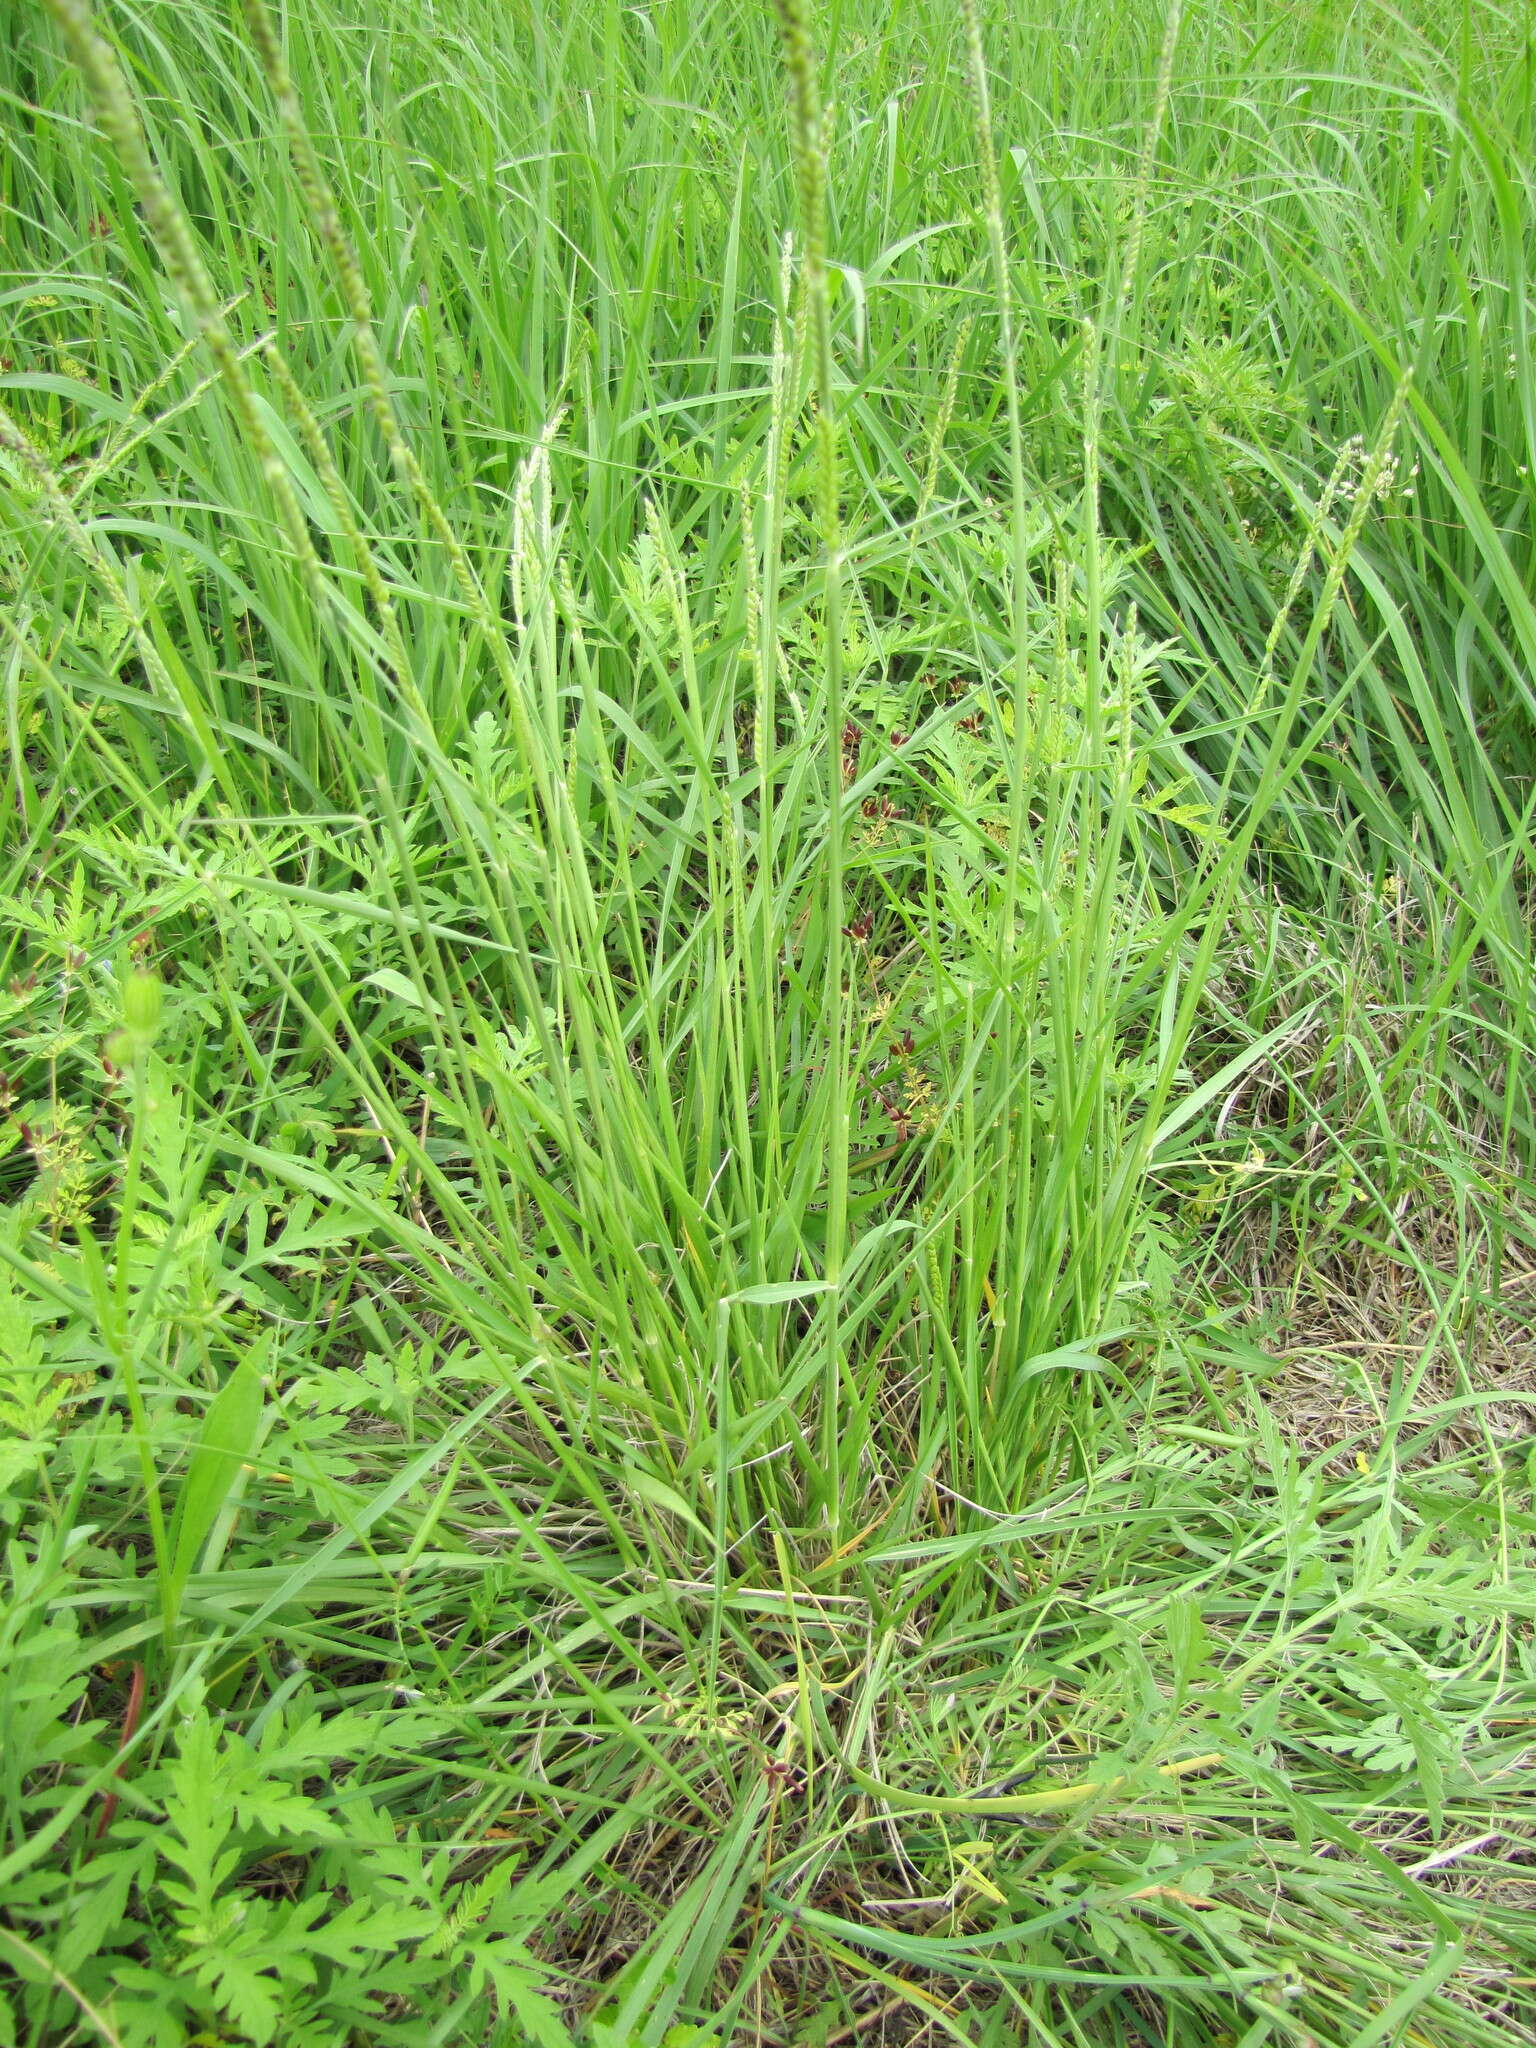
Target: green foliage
pixel 230 1898
pixel 702 941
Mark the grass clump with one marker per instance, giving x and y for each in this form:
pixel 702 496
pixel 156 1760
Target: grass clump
pixel 766 1216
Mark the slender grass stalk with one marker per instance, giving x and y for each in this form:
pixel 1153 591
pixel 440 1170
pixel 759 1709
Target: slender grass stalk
pixel 808 154
pixel 1018 528
pixel 1130 271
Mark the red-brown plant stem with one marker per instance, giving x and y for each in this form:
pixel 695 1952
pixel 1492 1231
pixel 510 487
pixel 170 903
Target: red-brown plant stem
pixel 131 1714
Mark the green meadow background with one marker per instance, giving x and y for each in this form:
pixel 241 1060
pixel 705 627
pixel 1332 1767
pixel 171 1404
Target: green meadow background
pixel 766 1212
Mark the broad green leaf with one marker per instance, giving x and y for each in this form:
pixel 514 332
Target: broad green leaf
pixel 231 1430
